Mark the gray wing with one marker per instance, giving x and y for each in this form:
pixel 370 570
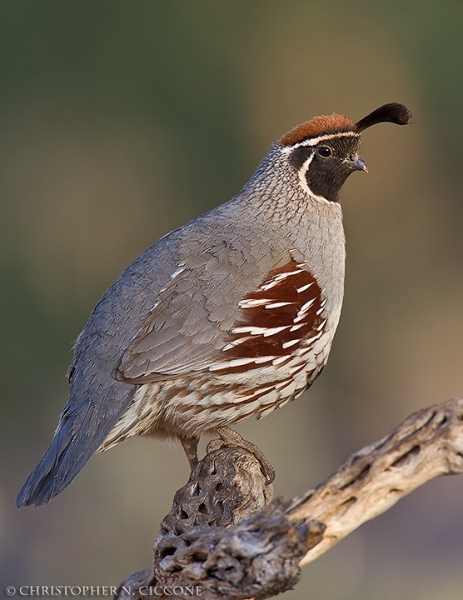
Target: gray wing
pixel 166 315
pixel 197 307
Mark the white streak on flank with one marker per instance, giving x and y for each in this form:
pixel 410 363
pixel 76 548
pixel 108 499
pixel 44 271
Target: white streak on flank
pixel 268 286
pixel 280 277
pixel 296 327
pixel 275 330
pixel 265 331
pixel 278 304
pixel 289 344
pixel 313 338
pixel 304 308
pixel 300 317
pixel 322 325
pixel 322 307
pixel 253 302
pixel 251 330
pixel 303 311
pixel 237 362
pixel 235 343
pixel 304 288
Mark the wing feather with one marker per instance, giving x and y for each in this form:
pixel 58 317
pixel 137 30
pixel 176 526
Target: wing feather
pixel 194 312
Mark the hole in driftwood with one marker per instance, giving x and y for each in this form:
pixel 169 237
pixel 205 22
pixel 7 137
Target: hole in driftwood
pixel 349 502
pixel 431 418
pixel 358 477
pixel 202 508
pixel 199 556
pixel 169 551
pixel 402 460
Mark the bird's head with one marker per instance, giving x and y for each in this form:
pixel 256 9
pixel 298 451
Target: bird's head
pixel 325 150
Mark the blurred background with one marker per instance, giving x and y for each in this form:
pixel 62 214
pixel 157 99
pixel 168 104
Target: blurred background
pixel 123 120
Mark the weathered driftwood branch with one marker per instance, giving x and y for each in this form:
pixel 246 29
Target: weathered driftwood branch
pixel 205 548
pixel 427 444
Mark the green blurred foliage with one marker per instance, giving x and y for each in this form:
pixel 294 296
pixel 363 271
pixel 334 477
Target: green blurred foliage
pixel 122 120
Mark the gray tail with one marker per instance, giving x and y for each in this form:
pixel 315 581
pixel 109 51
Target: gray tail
pixel 81 431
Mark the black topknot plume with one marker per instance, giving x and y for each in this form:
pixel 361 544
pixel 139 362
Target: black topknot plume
pixel 388 113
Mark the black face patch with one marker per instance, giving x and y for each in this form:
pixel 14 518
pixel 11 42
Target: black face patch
pixel 328 169
pixel 298 156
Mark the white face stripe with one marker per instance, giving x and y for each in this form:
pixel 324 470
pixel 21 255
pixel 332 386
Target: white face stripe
pixel 303 181
pixel 321 138
pixel 302 175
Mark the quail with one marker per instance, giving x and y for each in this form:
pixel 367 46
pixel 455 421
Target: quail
pixel 231 315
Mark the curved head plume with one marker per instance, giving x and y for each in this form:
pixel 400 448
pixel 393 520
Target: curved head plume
pixel 387 113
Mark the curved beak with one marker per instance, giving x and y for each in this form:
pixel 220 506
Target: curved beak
pixel 356 163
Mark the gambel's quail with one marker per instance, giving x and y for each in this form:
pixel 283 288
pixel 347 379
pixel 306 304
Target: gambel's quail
pixel 231 315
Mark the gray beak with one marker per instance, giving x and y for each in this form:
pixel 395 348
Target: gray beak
pixel 357 164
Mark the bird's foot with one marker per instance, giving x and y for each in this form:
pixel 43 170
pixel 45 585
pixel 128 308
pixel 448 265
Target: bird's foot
pixel 231 437
pixel 190 446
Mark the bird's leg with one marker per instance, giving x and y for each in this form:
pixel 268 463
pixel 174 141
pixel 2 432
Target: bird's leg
pixel 235 439
pixel 190 445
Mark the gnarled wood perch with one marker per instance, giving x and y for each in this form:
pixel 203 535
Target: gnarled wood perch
pixel 223 540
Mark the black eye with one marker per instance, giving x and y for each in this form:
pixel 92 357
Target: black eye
pixel 324 151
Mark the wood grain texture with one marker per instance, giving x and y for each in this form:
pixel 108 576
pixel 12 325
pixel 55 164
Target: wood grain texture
pixel 427 444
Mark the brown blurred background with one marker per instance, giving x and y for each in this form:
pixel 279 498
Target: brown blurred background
pixel 122 120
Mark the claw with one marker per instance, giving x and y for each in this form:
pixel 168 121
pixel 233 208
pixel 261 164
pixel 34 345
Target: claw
pixel 235 439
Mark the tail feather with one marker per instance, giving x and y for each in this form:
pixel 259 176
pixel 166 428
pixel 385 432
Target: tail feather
pixel 81 431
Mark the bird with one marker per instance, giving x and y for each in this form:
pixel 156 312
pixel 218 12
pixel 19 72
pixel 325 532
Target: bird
pixel 229 316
